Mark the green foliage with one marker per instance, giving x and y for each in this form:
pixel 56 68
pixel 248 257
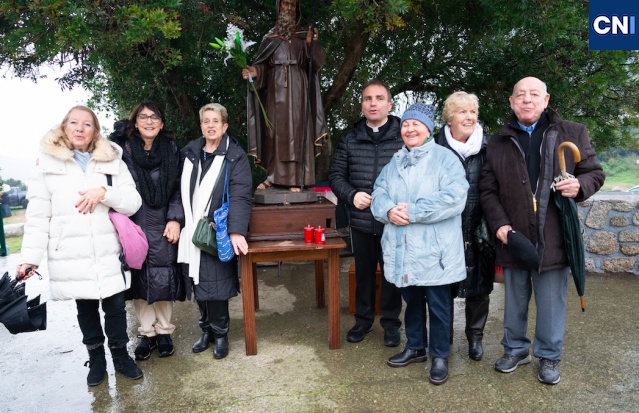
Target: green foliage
pixel 125 51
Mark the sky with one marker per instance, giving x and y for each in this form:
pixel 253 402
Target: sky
pixel 28 111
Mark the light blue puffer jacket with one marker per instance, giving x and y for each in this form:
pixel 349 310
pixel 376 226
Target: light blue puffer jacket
pixel 428 251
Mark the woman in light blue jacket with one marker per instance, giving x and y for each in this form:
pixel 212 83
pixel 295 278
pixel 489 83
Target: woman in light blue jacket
pixel 420 196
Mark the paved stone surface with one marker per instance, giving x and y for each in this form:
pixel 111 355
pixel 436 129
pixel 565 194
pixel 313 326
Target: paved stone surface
pixel 294 370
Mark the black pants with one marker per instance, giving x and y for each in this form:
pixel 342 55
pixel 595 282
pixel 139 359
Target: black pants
pixel 368 253
pixel 214 317
pixel 114 321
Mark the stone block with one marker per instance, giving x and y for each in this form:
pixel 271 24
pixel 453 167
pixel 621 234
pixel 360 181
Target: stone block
pixel 635 219
pixel 630 250
pixel 598 214
pixel 629 236
pixel 618 264
pixel 618 221
pixel 590 265
pixel 603 243
pixel 623 206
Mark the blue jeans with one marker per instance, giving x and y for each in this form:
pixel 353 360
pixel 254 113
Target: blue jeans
pixel 438 299
pixel 114 321
pixel 550 288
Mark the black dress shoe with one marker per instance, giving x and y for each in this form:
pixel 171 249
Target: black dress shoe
pixel 408 356
pixel 438 371
pixel 221 347
pixel 392 337
pixel 203 343
pixel 357 333
pixel 475 350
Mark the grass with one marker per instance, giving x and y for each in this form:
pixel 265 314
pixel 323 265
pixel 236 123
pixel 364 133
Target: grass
pixel 14 243
pixel 622 171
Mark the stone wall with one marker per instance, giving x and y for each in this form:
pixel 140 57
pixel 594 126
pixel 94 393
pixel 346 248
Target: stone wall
pixel 611 224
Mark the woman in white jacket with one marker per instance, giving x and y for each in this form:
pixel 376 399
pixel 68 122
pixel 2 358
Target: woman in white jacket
pixel 67 218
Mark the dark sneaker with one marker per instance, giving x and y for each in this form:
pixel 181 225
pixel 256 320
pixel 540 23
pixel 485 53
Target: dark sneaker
pixel 165 345
pixel 392 337
pixel 145 347
pixel 508 362
pixel 357 333
pixel 548 371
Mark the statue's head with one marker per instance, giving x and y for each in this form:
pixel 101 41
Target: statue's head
pixel 288 17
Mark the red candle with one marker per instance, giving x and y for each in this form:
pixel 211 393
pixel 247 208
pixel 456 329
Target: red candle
pixel 308 233
pixel 320 235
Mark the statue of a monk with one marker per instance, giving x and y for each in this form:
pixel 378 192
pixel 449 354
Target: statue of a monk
pixel 280 73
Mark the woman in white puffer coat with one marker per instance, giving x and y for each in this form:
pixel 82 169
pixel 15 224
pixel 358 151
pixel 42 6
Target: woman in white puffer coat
pixel 67 218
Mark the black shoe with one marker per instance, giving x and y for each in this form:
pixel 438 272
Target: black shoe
pixel 408 356
pixel 221 347
pixel 438 371
pixel 508 363
pixel 145 347
pixel 475 350
pixel 357 333
pixel 123 363
pixel 165 345
pixel 97 366
pixel 392 337
pixel 203 343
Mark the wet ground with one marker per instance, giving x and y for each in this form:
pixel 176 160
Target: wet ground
pixel 294 370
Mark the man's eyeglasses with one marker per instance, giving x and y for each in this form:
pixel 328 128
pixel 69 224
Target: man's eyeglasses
pixel 144 118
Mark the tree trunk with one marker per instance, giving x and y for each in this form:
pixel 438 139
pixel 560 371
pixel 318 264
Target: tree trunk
pixel 352 56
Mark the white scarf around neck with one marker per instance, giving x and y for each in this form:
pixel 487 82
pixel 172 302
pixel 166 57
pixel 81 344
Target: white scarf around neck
pixel 472 146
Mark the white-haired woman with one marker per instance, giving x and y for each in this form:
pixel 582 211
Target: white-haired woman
pixel 204 162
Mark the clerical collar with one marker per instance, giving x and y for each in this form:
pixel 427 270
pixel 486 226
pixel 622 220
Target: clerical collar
pixel 377 128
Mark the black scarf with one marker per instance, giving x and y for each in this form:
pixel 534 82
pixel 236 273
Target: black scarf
pixel 156 195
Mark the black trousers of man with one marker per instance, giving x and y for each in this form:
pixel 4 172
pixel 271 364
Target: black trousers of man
pixel 368 253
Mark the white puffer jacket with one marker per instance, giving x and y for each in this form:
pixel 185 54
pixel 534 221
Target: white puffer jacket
pixel 83 250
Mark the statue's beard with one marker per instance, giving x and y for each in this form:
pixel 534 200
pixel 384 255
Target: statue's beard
pixel 286 25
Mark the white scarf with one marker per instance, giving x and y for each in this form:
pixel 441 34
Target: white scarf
pixel 472 146
pixel 187 252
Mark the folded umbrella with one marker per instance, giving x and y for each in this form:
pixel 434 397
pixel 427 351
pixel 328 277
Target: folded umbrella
pixel 570 225
pixel 17 317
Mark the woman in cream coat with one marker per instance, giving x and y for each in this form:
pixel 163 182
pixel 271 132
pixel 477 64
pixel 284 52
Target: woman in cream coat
pixel 67 218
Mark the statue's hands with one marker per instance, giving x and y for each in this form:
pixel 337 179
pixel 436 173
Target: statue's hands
pixel 247 70
pixel 308 36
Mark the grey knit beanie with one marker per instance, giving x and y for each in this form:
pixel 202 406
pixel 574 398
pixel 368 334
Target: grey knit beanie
pixel 421 112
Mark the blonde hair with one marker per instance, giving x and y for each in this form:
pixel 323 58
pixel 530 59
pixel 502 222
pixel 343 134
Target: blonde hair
pixel 215 107
pixel 96 125
pixel 456 101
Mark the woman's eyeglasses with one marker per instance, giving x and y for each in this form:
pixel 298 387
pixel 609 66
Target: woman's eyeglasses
pixel 144 118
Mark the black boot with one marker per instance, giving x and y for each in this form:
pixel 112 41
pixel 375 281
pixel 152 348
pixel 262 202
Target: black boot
pixel 476 316
pixel 438 371
pixel 165 345
pixel 124 364
pixel 221 347
pixel 97 366
pixel 203 343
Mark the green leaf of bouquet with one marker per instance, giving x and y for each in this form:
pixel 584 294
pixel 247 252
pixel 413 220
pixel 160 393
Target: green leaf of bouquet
pixel 216 46
pixel 219 41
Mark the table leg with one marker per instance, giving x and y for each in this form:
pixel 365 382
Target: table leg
pixel 256 298
pixel 319 283
pixel 333 300
pixel 248 301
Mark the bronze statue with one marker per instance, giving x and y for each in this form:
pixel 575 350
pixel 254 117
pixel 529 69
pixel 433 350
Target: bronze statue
pixel 281 74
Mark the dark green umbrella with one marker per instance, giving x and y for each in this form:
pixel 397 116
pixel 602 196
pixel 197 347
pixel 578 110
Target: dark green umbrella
pixel 570 225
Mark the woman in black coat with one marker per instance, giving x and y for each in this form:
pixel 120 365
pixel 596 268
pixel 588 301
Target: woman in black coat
pixel 152 156
pixel 205 162
pixel 465 137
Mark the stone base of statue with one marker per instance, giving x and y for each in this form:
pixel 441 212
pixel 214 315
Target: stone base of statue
pixel 287 222
pixel 283 196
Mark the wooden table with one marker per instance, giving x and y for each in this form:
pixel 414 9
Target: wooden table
pixel 292 250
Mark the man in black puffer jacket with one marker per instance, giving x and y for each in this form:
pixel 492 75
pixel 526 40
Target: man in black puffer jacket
pixel 359 157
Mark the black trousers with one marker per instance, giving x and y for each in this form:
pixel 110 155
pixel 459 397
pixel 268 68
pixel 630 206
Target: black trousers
pixel 114 321
pixel 368 253
pixel 214 317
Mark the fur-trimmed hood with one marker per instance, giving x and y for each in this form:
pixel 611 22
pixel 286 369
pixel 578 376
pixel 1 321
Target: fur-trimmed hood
pixel 53 144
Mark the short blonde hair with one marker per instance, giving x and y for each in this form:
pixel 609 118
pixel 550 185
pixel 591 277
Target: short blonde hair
pixel 96 125
pixel 456 101
pixel 215 107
